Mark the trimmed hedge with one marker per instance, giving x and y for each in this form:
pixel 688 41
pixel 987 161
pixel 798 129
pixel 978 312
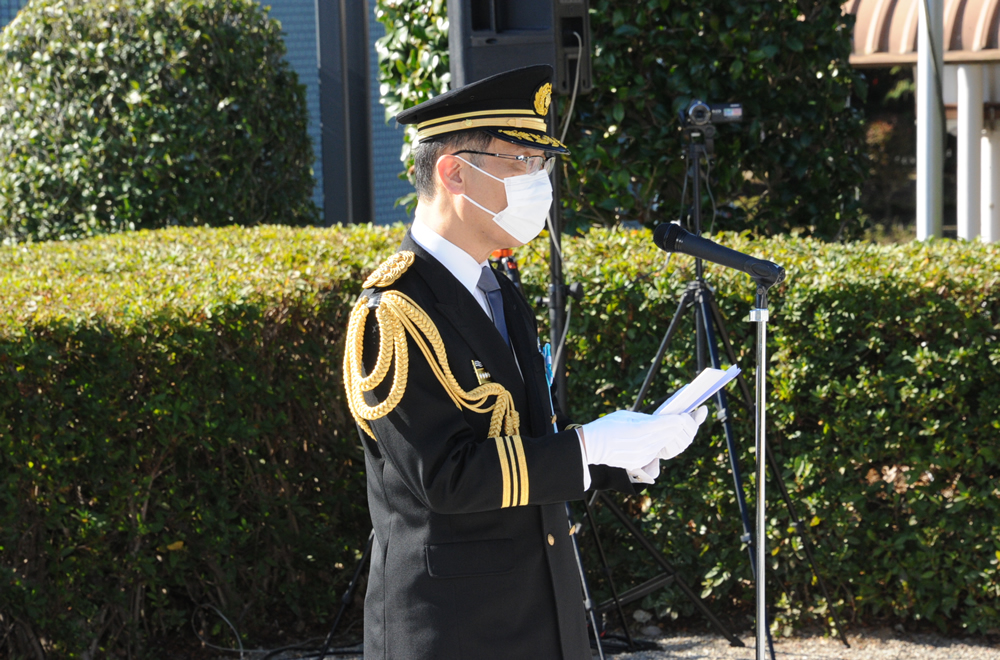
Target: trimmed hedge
pixel 884 411
pixel 142 114
pixel 173 431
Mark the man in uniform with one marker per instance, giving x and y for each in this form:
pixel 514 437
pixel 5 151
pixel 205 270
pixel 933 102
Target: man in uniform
pixel 467 476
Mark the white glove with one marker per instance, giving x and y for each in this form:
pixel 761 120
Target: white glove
pixel 631 440
pixel 698 415
pixel 649 473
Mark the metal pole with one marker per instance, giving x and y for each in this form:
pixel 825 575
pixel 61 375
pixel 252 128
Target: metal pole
pixel 970 136
pixel 989 215
pixel 930 131
pixel 759 315
pixel 588 602
pixel 694 162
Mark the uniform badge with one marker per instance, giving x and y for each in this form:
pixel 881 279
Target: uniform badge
pixel 389 270
pixel 482 375
pixel 543 97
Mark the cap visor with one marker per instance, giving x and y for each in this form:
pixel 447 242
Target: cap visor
pixel 529 138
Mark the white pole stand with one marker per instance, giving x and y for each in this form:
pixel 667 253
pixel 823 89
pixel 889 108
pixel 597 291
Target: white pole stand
pixel 759 316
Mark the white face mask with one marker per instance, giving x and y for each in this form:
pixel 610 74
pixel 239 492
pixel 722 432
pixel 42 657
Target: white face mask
pixel 529 197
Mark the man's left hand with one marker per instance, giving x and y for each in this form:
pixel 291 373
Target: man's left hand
pixel 649 473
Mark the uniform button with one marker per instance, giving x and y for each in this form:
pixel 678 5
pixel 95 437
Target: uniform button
pixel 552 540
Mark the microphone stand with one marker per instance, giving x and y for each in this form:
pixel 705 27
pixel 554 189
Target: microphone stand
pixel 699 295
pixel 703 335
pixel 759 316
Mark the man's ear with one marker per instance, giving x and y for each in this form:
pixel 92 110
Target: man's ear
pixel 449 173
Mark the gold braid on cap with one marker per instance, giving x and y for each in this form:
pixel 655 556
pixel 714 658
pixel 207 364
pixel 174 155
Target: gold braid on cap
pixel 398 316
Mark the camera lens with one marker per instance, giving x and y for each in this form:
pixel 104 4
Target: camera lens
pixel 699 114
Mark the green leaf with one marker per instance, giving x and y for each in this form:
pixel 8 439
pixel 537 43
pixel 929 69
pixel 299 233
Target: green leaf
pixel 618 112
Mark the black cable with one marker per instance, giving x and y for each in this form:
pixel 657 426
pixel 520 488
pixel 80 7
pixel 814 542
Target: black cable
pixel 708 189
pixel 557 249
pixel 6 634
pixel 684 189
pixel 308 645
pixel 235 632
pixel 335 651
pixel 565 334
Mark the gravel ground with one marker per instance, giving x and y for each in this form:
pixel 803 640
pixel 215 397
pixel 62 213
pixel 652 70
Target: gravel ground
pixel 880 644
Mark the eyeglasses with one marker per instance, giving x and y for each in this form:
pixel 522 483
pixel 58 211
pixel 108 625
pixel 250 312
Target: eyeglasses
pixel 532 164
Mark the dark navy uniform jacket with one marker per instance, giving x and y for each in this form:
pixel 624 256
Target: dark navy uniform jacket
pixel 472 559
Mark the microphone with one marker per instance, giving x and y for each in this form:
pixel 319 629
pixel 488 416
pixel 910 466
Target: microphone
pixel 672 237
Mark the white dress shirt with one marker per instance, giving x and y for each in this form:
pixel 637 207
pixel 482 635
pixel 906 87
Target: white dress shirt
pixel 457 261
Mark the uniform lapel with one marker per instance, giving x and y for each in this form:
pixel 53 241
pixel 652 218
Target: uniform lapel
pixel 482 336
pixel 462 311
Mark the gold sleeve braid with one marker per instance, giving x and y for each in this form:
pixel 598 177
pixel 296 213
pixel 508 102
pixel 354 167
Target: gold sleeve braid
pixel 513 471
pixel 398 315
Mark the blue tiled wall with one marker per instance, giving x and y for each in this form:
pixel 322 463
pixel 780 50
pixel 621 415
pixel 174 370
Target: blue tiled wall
pixel 298 20
pixel 298 24
pixel 8 9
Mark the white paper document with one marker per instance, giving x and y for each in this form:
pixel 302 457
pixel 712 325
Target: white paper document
pixel 697 391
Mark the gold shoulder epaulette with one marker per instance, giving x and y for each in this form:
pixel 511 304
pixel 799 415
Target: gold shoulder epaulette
pixel 389 270
pixel 398 316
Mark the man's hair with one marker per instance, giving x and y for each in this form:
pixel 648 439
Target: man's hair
pixel 427 153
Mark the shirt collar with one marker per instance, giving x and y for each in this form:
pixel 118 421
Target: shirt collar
pixel 457 261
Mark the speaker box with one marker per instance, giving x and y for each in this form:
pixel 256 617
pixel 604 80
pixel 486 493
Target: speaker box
pixel 491 36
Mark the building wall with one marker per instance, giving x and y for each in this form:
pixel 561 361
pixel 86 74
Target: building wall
pixel 298 21
pixel 9 9
pixel 298 26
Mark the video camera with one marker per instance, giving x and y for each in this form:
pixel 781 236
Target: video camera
pixel 699 113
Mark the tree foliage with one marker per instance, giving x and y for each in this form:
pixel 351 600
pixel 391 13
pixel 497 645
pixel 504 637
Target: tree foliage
pixel 794 163
pixel 413 61
pixel 137 114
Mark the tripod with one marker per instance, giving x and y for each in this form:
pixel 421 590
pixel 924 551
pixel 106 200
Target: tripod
pixel 708 319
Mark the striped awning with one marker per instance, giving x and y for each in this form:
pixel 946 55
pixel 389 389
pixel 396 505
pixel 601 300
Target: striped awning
pixel 885 31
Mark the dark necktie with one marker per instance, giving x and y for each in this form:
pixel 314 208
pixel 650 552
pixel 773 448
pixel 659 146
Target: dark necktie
pixel 488 284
